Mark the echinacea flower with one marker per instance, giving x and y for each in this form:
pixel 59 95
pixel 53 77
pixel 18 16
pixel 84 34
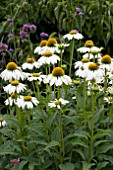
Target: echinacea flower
pixel 40 48
pixel 11 72
pixel 11 100
pixel 27 102
pixel 92 72
pixel 30 64
pixel 73 34
pixel 36 76
pixel 48 58
pixel 87 47
pixel 58 103
pixel 109 99
pixel 89 43
pixel 51 46
pixel 15 87
pixel 83 63
pixel 106 62
pixel 57 77
pixel 2 123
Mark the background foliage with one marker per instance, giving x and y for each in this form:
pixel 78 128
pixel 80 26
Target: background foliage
pixel 60 16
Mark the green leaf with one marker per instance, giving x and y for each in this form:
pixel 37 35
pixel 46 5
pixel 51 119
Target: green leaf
pixel 66 166
pixel 51 145
pixel 104 148
pixel 77 142
pixel 102 165
pixel 21 165
pixel 86 165
pixel 102 133
pixel 100 142
pixel 50 119
pixel 81 134
pixel 55 136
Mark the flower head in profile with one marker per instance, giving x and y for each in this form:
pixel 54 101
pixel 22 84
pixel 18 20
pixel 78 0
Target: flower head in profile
pixel 87 47
pixel 108 99
pixel 36 77
pixel 26 102
pixel 30 64
pixel 2 123
pixel 15 87
pixel 93 72
pixel 57 77
pixel 83 63
pixel 40 49
pixel 48 58
pixel 73 34
pixel 12 72
pixel 11 100
pixel 89 43
pixel 58 103
pixel 106 62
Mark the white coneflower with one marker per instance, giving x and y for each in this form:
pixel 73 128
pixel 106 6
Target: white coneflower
pixel 93 72
pixel 11 72
pixel 48 58
pixel 11 100
pixel 36 76
pixel 30 64
pixel 2 123
pixel 106 62
pixel 26 102
pixel 57 77
pixel 73 34
pixel 40 48
pixel 15 87
pixel 83 63
pixel 58 103
pixel 50 46
pixel 109 99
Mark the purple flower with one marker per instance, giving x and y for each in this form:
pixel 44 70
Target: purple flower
pixel 10 35
pixel 23 34
pixel 2 61
pixel 81 14
pixel 25 27
pixel 77 10
pixel 43 34
pixel 11 50
pixel 32 27
pixel 1 68
pixel 3 53
pixel 4 46
pixel 9 20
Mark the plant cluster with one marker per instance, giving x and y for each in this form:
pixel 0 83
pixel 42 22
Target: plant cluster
pixel 57 94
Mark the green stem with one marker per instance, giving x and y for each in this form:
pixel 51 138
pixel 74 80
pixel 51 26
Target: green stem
pixel 61 54
pixel 84 103
pixel 62 151
pixel 93 101
pixel 105 81
pixel 21 122
pixel 71 55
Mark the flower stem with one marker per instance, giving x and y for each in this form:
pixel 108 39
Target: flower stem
pixel 93 101
pixel 62 151
pixel 71 55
